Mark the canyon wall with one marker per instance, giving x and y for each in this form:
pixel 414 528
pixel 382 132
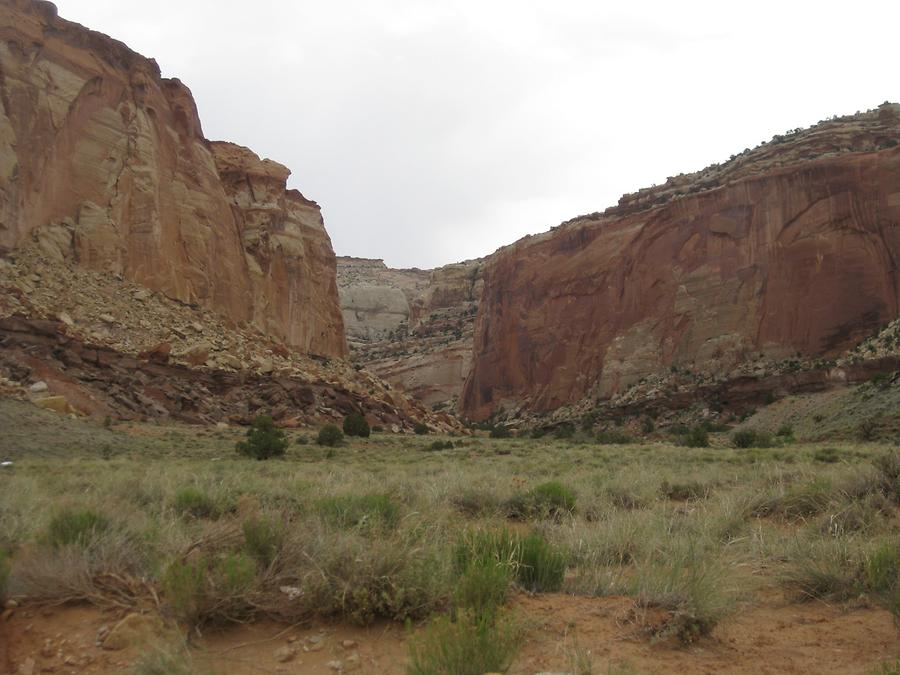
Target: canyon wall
pixel 104 162
pixel 414 327
pixel 791 248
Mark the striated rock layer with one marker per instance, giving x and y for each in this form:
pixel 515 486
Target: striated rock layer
pixel 104 161
pixel 788 249
pixel 412 327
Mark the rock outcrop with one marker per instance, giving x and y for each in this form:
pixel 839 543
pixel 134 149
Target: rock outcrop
pixel 412 328
pixel 104 161
pixel 376 299
pixel 788 250
pixel 90 342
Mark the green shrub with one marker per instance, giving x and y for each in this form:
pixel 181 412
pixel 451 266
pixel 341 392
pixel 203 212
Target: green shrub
pixel 437 446
pixel 693 585
pixel 475 503
pixel 538 432
pixel 330 436
pixel 470 645
pixel 564 431
pixel 361 511
pixel 75 528
pixel 264 440
pixel 683 492
pixel 695 437
pixel 867 430
pixel 166 660
pixel 827 455
pixel 551 499
pixel 483 587
pixel 613 438
pixel 883 570
pixel 235 573
pixel 302 439
pixel 541 567
pixel 857 516
pixel 798 502
pixel 262 539
pixel 823 569
pixel 184 584
pixel 537 565
pixel 500 432
pixel 785 431
pixel 713 427
pixel 750 438
pixel 888 467
pixel 192 503
pixel 648 426
pixel 486 547
pixel 355 424
pixel 421 429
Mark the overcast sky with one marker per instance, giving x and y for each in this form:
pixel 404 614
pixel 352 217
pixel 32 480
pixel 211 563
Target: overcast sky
pixel 436 132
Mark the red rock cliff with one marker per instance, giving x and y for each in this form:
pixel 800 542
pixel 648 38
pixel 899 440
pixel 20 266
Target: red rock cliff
pixel 103 160
pixel 792 247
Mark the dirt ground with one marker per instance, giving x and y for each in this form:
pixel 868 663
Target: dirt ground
pixel 607 633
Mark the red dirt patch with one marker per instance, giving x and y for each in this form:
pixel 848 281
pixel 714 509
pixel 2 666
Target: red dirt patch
pixel 773 637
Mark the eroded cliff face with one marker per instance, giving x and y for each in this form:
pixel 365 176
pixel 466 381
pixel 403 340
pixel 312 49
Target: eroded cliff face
pixel 412 327
pixel 104 161
pixel 788 249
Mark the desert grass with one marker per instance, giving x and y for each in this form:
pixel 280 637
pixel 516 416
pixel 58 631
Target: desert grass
pixel 380 529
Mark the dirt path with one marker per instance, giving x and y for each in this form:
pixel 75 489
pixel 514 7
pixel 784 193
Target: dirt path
pixel 771 638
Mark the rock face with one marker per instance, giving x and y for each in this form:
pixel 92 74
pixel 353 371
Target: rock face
pixel 412 328
pixel 788 249
pixel 375 300
pixel 104 161
pixel 130 353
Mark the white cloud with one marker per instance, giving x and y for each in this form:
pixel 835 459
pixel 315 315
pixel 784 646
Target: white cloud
pixel 433 133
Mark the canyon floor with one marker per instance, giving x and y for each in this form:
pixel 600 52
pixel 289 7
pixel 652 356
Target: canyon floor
pixel 155 548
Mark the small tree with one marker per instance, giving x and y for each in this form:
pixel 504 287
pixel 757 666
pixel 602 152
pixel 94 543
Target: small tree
pixel 264 440
pixel 356 425
pixel 330 436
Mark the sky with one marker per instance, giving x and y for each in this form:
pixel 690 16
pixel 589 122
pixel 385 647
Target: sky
pixel 431 133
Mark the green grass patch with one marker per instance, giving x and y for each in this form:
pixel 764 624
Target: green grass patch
pixel 191 502
pixel 547 500
pixel 262 539
pixel 78 528
pixel 469 645
pixel 360 511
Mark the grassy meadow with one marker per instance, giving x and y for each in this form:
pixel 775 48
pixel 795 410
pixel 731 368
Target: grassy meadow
pixel 389 527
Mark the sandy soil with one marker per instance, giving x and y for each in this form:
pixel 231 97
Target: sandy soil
pixel 772 637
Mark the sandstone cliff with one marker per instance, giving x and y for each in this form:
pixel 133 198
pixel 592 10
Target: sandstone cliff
pixel 412 327
pixel 790 249
pixel 101 345
pixel 104 161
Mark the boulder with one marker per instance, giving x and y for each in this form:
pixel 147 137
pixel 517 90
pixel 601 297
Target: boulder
pixel 38 387
pixel 197 354
pixel 158 353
